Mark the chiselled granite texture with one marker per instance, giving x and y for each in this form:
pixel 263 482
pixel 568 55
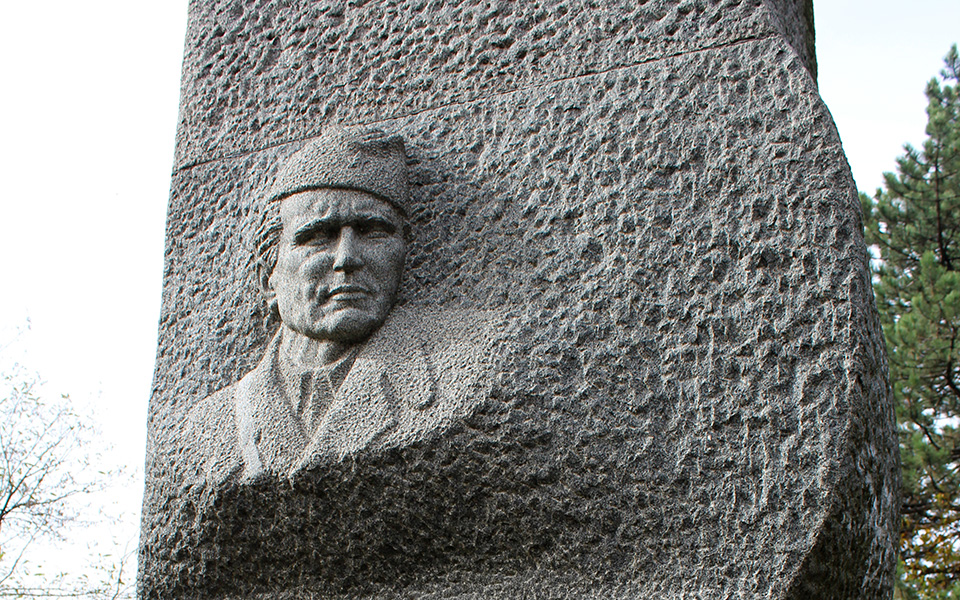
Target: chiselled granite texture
pixel 795 21
pixel 266 73
pixel 654 199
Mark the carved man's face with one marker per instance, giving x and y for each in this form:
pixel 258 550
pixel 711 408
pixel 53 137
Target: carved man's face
pixel 339 263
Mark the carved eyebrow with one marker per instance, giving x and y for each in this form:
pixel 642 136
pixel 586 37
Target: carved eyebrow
pixel 332 224
pixel 306 231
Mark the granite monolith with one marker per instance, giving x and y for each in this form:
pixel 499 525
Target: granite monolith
pixel 633 352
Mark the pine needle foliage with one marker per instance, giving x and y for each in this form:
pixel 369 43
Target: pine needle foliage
pixel 913 227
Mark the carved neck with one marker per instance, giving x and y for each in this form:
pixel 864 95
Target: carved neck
pixel 308 352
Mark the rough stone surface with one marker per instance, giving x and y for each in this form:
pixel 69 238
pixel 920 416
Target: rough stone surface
pixel 654 199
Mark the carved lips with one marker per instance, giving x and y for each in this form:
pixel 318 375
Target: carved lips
pixel 347 292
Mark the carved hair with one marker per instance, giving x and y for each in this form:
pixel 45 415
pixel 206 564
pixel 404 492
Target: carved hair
pixel 265 242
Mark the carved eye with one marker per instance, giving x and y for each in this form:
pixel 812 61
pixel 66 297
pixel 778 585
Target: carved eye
pixel 375 228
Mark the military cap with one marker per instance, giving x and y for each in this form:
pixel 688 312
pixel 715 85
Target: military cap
pixel 367 161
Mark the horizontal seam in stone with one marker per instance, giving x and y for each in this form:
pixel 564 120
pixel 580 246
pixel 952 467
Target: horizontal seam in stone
pixel 743 40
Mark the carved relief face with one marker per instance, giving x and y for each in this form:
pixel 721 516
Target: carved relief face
pixel 339 263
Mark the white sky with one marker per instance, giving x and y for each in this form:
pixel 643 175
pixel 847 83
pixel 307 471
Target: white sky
pixel 875 58
pixel 89 105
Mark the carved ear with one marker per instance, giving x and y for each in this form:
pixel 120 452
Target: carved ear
pixel 269 294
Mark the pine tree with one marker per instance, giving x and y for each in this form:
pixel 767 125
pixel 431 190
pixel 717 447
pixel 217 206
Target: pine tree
pixel 914 227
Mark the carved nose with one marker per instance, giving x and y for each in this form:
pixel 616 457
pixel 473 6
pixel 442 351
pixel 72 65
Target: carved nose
pixel 348 256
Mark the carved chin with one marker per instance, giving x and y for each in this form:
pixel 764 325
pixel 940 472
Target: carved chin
pixel 347 326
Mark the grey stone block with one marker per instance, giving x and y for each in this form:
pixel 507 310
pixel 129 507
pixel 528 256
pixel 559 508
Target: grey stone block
pixel 689 395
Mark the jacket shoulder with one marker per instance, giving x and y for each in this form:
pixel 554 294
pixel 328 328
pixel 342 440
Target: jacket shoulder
pixel 211 436
pixel 440 329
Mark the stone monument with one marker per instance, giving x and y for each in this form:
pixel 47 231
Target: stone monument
pixel 492 300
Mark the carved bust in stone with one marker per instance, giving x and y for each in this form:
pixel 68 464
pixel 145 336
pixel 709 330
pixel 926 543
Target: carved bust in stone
pixel 346 371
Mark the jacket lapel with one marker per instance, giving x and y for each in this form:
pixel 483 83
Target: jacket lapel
pixel 390 376
pixel 364 407
pixel 269 435
pixel 390 383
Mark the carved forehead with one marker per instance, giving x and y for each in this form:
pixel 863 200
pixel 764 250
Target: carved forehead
pixel 337 205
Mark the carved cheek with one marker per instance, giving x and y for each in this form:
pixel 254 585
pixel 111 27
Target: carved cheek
pixel 315 265
pixel 393 262
pixel 283 274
